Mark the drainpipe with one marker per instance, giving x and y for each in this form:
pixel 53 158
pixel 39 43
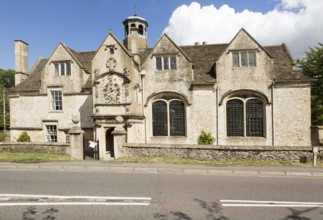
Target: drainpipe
pixel 142 74
pixel 217 115
pixel 272 112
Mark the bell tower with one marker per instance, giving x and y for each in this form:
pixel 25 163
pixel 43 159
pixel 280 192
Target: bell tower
pixel 135 33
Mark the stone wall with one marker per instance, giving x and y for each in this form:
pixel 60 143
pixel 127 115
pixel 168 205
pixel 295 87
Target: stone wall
pixel 221 153
pixel 51 148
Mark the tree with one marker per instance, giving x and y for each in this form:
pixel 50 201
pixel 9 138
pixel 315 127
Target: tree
pixel 312 66
pixel 7 80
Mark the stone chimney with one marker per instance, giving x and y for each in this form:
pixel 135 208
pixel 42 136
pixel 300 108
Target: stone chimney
pixel 21 61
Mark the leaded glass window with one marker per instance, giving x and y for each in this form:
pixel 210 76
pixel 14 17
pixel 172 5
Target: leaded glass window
pixel 160 125
pixel 168 118
pixel 177 118
pixel 235 59
pixel 173 63
pixel 158 63
pixel 252 58
pixel 235 122
pixel 63 68
pixel 244 58
pixel 254 115
pixel 166 63
pixel 245 117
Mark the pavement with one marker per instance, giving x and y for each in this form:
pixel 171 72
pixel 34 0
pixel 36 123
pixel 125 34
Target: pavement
pixel 112 166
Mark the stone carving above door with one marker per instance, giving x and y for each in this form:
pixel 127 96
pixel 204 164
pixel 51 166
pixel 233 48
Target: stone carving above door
pixel 112 91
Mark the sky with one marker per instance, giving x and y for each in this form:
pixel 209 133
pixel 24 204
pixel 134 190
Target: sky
pixel 84 24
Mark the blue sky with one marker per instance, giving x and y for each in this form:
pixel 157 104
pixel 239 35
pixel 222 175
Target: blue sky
pixel 83 24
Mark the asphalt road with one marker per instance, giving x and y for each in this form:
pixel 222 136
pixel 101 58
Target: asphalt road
pixel 110 195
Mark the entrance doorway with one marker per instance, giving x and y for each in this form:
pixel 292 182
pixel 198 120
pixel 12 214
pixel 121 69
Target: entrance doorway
pixel 109 141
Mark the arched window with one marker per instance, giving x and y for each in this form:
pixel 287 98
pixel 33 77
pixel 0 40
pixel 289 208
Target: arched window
pixel 255 118
pixel 245 117
pixel 141 30
pixel 235 122
pixel 168 118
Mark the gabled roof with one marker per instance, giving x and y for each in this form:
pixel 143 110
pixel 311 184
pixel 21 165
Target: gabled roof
pixel 32 83
pixel 145 53
pixel 251 37
pixel 116 39
pixel 83 59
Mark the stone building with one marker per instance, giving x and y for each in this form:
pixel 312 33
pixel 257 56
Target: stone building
pixel 242 92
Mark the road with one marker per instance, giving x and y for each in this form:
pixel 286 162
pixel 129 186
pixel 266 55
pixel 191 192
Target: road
pixel 110 195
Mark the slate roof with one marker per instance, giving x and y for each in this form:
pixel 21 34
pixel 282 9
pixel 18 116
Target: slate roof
pixel 32 83
pixel 203 58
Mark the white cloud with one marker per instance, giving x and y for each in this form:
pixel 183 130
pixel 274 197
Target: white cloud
pixel 298 23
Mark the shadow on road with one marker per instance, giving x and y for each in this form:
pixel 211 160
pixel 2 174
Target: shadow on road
pixel 213 212
pixel 31 214
pixel 297 214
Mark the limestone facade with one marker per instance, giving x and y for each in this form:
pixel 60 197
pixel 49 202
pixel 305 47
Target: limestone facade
pixel 242 92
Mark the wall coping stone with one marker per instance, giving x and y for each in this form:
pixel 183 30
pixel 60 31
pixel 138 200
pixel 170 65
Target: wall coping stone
pixel 220 147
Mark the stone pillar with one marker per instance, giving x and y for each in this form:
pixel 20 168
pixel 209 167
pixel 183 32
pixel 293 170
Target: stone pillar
pixel 76 140
pixel 119 138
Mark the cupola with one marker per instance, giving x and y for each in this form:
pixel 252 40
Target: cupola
pixel 135 33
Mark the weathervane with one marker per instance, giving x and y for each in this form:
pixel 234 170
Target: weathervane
pixel 135 9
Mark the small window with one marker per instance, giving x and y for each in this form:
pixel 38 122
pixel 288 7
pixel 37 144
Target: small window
pixel 158 63
pixel 57 103
pixel 166 63
pixel 235 59
pixel 63 68
pixel 67 138
pixel 252 58
pixel 243 58
pixel 173 63
pixel 56 66
pixel 51 133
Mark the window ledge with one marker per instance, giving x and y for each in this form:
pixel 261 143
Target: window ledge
pixel 56 111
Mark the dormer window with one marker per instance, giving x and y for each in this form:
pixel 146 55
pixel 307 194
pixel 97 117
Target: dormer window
pixel 166 63
pixel 245 58
pixel 63 68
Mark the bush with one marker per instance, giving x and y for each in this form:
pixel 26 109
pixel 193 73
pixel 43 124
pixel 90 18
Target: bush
pixel 2 137
pixel 24 137
pixel 205 138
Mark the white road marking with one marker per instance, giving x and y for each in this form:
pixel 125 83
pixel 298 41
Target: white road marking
pixel 74 197
pixel 23 200
pixel 252 203
pixel 73 203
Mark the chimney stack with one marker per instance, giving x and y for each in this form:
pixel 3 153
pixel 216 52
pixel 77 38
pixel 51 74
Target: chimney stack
pixel 21 61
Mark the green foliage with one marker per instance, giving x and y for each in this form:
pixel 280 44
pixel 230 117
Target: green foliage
pixel 7 80
pixel 312 66
pixel 31 157
pixel 205 138
pixel 2 137
pixel 24 137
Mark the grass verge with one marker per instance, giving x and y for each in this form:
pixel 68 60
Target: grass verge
pixel 31 157
pixel 210 162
